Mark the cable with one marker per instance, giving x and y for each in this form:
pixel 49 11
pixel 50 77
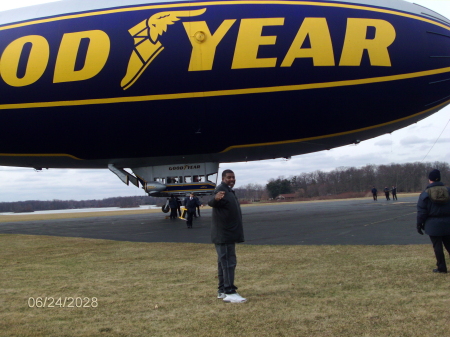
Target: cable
pixel 436 141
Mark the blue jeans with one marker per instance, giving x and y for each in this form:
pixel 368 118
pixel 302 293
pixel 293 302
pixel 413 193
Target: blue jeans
pixel 226 263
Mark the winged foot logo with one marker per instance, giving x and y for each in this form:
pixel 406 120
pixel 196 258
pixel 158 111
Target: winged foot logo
pixel 146 44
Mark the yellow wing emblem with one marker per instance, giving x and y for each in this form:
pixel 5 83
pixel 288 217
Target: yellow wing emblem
pixel 146 44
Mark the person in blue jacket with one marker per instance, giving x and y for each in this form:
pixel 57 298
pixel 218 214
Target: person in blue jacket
pixel 386 193
pixel 374 193
pixel 433 216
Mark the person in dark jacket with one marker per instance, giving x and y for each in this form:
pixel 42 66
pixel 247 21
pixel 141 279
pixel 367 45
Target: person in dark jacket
pixel 433 215
pixel 386 193
pixel 374 193
pixel 226 231
pixel 179 206
pixel 394 193
pixel 173 204
pixel 191 203
pixel 198 208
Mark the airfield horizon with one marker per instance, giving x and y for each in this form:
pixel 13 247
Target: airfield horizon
pixel 73 215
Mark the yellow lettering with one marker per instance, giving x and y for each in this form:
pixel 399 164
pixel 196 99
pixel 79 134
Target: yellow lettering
pixel 36 64
pixel 321 50
pixel 204 44
pixel 96 57
pixel 356 42
pixel 248 41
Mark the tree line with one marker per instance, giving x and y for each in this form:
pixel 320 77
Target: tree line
pixel 50 205
pixel 410 177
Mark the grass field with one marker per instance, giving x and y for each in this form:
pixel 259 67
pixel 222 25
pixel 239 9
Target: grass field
pixel 168 289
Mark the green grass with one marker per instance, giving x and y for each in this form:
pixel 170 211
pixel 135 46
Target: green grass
pixel 168 289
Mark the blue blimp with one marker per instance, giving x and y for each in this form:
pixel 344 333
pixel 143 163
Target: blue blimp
pixel 161 86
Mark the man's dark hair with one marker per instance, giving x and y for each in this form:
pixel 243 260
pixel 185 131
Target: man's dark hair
pixel 224 173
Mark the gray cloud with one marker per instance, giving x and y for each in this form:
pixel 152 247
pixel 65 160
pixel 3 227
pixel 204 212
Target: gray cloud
pixel 23 184
pixel 443 141
pixel 384 142
pixel 413 140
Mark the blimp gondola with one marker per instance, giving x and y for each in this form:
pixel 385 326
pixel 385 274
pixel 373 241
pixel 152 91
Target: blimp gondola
pixel 169 90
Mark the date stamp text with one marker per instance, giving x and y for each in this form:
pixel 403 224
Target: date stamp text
pixel 62 302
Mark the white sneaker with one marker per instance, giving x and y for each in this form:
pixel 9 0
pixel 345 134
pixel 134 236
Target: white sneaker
pixel 234 298
pixel 221 295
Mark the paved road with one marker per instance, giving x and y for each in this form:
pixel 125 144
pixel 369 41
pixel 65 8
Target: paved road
pixel 347 222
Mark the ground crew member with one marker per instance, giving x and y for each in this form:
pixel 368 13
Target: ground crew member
pixel 433 215
pixel 386 193
pixel 374 193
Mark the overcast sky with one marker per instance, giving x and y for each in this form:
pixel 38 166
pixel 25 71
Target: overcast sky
pixel 418 142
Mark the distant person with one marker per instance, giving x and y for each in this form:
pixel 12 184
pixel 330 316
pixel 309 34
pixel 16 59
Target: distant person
pixel 386 193
pixel 226 231
pixel 179 206
pixel 191 203
pixel 433 215
pixel 374 193
pixel 394 193
pixel 173 204
pixel 198 207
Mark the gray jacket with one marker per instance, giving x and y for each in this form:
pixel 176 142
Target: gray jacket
pixel 226 217
pixel 433 209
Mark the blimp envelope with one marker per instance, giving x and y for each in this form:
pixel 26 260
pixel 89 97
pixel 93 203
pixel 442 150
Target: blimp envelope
pixel 136 83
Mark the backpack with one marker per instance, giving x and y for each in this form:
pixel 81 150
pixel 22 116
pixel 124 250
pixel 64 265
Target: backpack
pixel 438 194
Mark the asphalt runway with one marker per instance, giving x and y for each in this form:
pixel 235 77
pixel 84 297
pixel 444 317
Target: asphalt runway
pixel 344 222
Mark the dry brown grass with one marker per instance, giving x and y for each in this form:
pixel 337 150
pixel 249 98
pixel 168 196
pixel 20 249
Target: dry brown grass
pixel 168 289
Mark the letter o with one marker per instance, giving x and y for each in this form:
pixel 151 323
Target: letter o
pixel 36 64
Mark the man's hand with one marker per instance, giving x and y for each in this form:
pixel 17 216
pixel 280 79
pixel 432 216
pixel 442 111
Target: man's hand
pixel 219 196
pixel 419 229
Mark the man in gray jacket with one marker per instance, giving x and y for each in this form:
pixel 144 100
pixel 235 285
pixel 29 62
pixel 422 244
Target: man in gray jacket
pixel 433 215
pixel 226 231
